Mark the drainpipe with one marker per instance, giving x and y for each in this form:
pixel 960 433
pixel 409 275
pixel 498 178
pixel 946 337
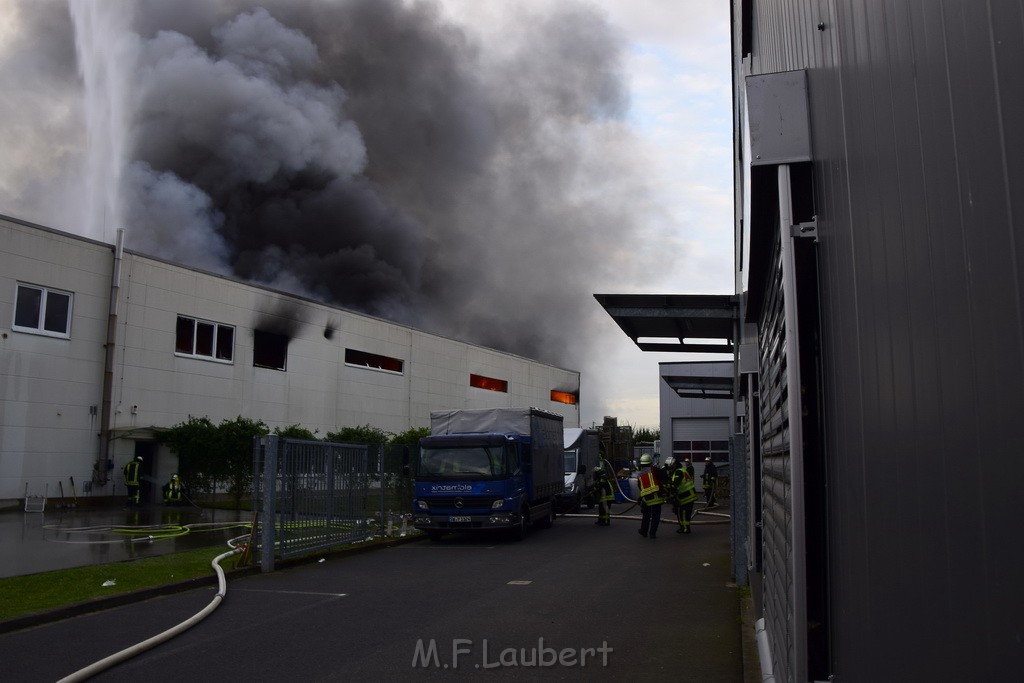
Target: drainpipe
pixel 102 468
pixel 764 652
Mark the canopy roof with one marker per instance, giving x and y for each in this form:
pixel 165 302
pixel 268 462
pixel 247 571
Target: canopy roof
pixel 677 323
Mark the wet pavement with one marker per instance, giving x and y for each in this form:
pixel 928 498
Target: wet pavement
pixel 364 616
pixel 60 538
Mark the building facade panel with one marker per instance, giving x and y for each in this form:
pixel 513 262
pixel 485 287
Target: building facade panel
pixel 52 388
pixel 49 386
pixel 916 183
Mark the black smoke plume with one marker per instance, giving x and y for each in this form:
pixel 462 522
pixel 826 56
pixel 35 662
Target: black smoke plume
pixel 371 153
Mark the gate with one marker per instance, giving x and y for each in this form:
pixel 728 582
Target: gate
pixel 311 495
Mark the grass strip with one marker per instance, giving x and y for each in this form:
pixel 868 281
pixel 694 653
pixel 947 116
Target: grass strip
pixel 32 593
pixel 24 595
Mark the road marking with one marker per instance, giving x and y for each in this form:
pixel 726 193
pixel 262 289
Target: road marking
pixel 260 590
pixel 420 546
pixel 519 583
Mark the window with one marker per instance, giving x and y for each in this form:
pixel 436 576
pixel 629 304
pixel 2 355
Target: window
pixel 373 361
pixel 698 450
pixel 269 350
pixel 563 397
pixel 42 310
pixel 204 339
pixel 489 383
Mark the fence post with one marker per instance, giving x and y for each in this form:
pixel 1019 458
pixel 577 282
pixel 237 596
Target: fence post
pixel 380 474
pixel 270 455
pixel 739 507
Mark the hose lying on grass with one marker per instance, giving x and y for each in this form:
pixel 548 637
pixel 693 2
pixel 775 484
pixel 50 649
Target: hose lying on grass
pixel 139 648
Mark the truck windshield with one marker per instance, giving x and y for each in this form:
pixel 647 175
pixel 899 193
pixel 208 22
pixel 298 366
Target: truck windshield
pixel 471 462
pixel 570 461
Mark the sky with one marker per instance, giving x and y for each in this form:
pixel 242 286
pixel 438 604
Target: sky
pixel 474 168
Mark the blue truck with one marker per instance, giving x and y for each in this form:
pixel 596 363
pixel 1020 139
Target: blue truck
pixel 491 469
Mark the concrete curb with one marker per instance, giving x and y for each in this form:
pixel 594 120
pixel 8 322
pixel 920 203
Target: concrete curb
pixel 99 604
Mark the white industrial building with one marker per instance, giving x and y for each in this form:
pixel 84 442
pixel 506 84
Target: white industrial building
pixel 100 346
pixel 698 412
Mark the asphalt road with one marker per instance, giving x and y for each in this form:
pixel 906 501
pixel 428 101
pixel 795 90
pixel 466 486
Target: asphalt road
pixel 575 602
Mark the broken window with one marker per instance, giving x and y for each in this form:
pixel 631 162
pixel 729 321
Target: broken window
pixel 489 383
pixel 373 360
pixel 269 350
pixel 563 397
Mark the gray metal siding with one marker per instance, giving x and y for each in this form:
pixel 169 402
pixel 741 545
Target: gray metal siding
pixel 916 110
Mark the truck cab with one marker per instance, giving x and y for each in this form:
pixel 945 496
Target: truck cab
pixel 470 480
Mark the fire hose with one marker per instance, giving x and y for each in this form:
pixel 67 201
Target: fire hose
pixel 139 648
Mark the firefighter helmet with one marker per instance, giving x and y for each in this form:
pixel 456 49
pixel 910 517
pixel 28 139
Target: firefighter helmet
pixel 646 459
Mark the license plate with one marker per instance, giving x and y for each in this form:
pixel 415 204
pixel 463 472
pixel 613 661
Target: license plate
pixel 463 519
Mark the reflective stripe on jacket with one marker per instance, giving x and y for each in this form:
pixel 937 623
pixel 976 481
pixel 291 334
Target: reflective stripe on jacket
pixel 683 485
pixel 650 489
pixel 131 473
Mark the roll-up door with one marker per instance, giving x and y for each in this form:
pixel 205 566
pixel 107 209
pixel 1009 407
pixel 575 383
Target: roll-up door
pixel 707 429
pixel 699 438
pixel 793 473
pixel 776 491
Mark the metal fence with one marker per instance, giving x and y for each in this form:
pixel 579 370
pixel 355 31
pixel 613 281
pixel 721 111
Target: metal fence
pixel 314 495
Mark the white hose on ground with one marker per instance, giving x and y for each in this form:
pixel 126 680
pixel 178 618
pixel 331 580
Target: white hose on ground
pixel 139 648
pixel 723 518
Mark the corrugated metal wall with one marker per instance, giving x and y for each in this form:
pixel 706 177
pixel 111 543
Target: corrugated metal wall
pixel 916 110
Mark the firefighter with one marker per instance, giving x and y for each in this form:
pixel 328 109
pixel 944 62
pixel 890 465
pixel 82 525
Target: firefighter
pixel 683 496
pixel 133 480
pixel 173 491
pixel 652 485
pixel 605 492
pixel 689 469
pixel 710 481
pixel 669 468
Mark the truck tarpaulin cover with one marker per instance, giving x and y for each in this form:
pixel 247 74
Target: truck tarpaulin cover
pixel 486 420
pixel 544 429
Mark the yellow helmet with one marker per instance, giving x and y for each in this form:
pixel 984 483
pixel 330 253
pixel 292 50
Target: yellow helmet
pixel 646 459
